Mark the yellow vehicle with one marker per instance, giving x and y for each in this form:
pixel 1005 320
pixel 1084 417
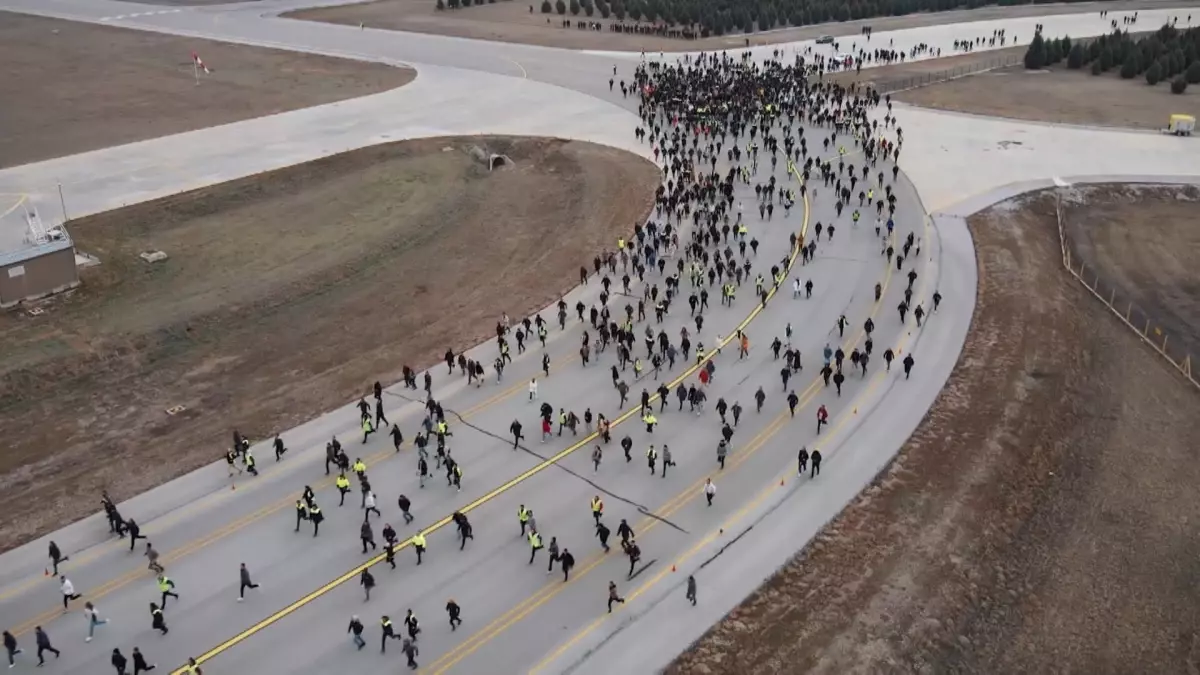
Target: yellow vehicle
pixel 1181 125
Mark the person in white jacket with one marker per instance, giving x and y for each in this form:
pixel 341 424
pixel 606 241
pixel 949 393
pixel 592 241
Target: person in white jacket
pixel 532 389
pixel 369 504
pixel 709 490
pixel 68 591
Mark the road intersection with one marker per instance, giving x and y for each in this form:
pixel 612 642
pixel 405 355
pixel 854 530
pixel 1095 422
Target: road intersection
pixel 517 618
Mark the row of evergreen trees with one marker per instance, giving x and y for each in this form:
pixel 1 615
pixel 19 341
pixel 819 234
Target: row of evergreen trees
pixel 720 17
pixel 1167 54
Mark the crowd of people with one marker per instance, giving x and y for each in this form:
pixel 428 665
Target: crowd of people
pixel 720 127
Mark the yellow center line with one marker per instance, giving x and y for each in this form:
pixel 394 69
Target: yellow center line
pixel 268 621
pixel 523 609
pixel 552 590
pixel 224 531
pixel 843 419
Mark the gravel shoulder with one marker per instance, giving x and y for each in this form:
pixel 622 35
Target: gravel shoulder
pixel 416 241
pixel 100 86
pixel 1042 518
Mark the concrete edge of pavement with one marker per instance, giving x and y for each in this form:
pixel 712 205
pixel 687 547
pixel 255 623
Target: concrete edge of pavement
pixel 756 532
pixel 212 478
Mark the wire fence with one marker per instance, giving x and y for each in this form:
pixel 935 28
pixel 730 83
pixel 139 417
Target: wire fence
pixel 1135 318
pixel 924 79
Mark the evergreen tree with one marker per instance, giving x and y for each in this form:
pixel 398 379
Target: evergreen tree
pixel 1075 59
pixel 1035 55
pixel 1154 74
pixel 1193 73
pixel 1129 68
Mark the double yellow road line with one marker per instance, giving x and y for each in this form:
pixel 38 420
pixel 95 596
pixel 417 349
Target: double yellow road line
pixel 843 418
pixel 197 544
pixel 550 591
pixel 351 574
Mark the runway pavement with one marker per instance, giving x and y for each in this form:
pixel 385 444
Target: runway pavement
pixel 518 618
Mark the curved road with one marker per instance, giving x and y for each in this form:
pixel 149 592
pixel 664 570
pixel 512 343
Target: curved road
pixel 518 619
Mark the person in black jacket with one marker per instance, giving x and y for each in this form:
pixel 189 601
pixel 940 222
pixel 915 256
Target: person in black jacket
pixel 568 561
pixel 119 661
pixel 10 646
pixel 43 645
pixel 356 629
pixel 139 663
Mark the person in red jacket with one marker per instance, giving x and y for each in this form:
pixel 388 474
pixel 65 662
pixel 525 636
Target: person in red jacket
pixel 822 418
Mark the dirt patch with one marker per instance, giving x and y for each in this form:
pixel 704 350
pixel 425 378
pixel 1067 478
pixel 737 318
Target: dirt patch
pixel 918 73
pixel 513 21
pixel 1059 95
pixel 1043 517
pixel 333 274
pixel 1139 240
pixel 84 87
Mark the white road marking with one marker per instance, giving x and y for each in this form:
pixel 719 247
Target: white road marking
pixel 119 17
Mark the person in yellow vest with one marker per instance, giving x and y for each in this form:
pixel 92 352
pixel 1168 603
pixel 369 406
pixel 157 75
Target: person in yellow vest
pixel 343 486
pixel 167 588
pixel 418 542
pixel 620 243
pixel 597 508
pixel 367 428
pixel 650 421
pixel 522 517
pixel 535 544
pixel 699 353
pixel 360 467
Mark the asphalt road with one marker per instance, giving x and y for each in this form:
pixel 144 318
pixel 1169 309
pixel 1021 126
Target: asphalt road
pixel 518 618
pixel 510 607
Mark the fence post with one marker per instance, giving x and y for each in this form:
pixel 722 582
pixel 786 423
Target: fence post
pixel 1146 330
pixel 1164 344
pixel 1187 365
pixel 1113 297
pixel 1128 311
